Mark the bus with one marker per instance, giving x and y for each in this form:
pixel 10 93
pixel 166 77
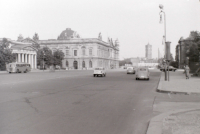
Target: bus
pixel 18 67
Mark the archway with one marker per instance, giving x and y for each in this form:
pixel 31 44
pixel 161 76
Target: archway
pixel 75 65
pixel 83 64
pixel 67 64
pixel 90 64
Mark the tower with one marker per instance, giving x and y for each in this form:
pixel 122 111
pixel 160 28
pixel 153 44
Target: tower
pixel 148 51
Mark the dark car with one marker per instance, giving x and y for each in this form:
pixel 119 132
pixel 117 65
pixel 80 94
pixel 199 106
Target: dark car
pixel 171 68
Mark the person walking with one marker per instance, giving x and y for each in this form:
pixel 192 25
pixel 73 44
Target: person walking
pixel 187 70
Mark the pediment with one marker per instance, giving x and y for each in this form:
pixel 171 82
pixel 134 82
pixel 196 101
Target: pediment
pixel 29 48
pixel 27 40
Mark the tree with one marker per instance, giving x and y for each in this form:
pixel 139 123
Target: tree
pixel 193 48
pixel 6 55
pixel 35 37
pixel 58 56
pixel 44 55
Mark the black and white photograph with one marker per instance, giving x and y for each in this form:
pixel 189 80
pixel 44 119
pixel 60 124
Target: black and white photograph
pixel 100 67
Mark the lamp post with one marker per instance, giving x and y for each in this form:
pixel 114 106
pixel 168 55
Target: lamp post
pixel 162 12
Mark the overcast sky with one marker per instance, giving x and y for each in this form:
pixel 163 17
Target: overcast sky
pixel 134 22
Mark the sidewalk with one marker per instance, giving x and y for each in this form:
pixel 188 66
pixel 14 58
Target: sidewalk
pixel 178 83
pixel 185 118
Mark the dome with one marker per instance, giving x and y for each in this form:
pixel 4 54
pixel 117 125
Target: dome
pixel 66 34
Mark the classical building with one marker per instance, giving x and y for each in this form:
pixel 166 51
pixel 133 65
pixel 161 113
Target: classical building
pixel 25 52
pixel 148 51
pixel 182 48
pixel 84 53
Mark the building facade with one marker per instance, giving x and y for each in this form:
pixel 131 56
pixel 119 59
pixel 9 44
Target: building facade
pixel 182 48
pixel 148 51
pixel 84 53
pixel 25 53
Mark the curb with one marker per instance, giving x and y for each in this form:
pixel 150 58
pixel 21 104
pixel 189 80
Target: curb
pixel 160 89
pixel 155 125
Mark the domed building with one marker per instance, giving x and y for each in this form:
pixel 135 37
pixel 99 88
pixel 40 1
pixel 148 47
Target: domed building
pixel 84 53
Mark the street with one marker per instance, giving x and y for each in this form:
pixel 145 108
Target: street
pixel 75 102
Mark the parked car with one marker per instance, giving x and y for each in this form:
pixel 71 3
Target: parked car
pixel 171 68
pixel 142 73
pixel 99 71
pixel 130 70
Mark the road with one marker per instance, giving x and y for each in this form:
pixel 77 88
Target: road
pixel 75 102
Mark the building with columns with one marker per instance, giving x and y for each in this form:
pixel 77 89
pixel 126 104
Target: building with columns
pixel 83 53
pixel 25 53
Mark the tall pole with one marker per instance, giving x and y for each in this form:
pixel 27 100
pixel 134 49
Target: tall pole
pixel 161 8
pixel 43 61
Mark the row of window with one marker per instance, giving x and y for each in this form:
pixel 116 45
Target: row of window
pixel 101 53
pixel 75 52
pixel 75 64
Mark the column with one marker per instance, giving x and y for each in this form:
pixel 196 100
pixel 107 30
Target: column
pixel 16 57
pixel 32 60
pixel 25 58
pixel 22 57
pixel 19 57
pixel 35 61
pixel 29 58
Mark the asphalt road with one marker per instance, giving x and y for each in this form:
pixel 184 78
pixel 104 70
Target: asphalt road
pixel 75 102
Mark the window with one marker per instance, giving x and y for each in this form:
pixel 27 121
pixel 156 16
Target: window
pixel 83 51
pixel 75 52
pixel 67 52
pixel 90 51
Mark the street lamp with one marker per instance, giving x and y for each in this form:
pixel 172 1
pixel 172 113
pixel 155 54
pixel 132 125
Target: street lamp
pixel 162 12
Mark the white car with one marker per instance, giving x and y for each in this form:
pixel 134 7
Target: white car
pixel 130 70
pixel 99 71
pixel 142 73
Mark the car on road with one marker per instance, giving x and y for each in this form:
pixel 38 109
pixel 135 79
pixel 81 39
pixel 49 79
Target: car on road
pixel 99 71
pixel 171 68
pixel 130 70
pixel 142 73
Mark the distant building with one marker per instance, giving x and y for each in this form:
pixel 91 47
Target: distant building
pixel 143 61
pixel 148 51
pixel 83 53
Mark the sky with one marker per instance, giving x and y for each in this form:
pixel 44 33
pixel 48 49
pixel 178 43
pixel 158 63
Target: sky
pixel 135 23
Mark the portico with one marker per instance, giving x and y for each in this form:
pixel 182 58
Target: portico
pixel 25 53
pixel 26 57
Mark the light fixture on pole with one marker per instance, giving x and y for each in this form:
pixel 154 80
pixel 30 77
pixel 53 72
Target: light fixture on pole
pixel 162 12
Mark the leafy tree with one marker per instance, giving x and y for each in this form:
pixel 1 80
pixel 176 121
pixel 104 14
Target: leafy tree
pixel 6 55
pixel 44 55
pixel 35 37
pixel 193 53
pixel 58 56
pixel 125 61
